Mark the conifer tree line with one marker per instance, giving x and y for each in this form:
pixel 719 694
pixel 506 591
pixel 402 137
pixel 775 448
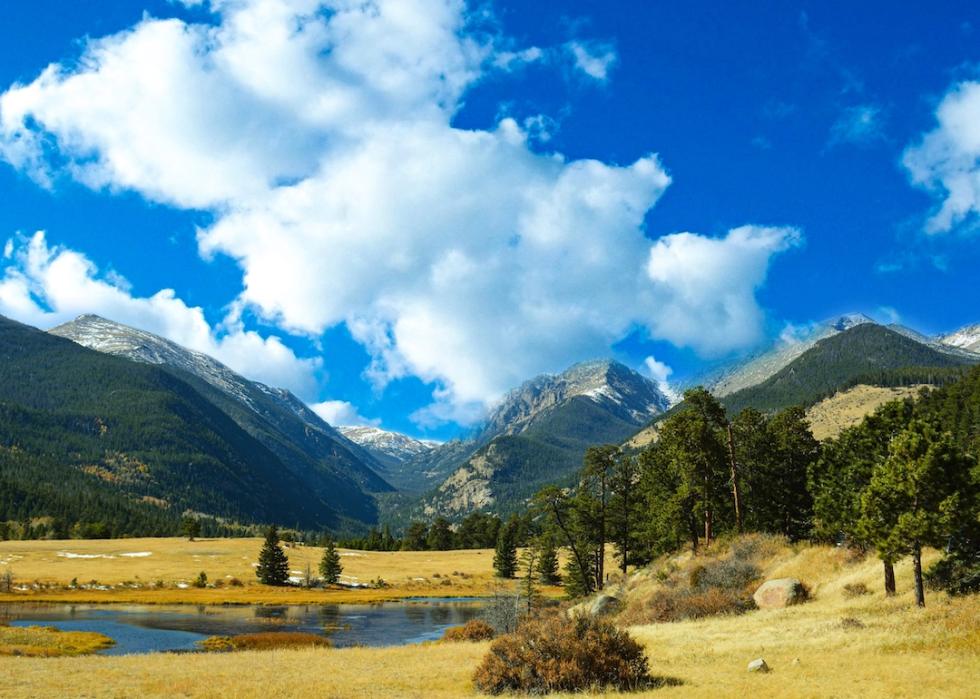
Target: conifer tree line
pixel 905 478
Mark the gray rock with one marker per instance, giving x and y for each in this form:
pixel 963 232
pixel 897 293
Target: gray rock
pixel 781 592
pixel 605 604
pixel 758 665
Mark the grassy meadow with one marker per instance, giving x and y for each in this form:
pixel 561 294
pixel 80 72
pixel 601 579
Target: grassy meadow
pixel 161 571
pixel 836 645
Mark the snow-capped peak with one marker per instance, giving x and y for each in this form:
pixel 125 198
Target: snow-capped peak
pixel 967 338
pixel 395 445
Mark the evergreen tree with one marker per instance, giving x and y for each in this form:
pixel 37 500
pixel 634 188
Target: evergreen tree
pixel 838 478
pixel 505 556
pixel 590 505
pixel 440 536
pixel 415 537
pixel 273 566
pixel 190 527
pixel 914 498
pixel 774 456
pixel 548 560
pixel 554 504
pixel 625 510
pixel 330 566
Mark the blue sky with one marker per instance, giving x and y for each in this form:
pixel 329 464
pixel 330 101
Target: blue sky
pixel 401 213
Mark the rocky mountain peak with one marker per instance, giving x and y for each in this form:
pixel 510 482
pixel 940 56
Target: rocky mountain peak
pixel 609 383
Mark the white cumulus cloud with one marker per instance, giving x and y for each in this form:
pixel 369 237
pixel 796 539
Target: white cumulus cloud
pixel 341 412
pixel 319 134
pixel 47 285
pixel 705 287
pixel 946 161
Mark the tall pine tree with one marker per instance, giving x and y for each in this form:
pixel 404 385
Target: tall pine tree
pixel 914 497
pixel 330 566
pixel 273 566
pixel 505 557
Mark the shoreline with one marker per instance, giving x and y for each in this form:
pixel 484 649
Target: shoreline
pixel 220 598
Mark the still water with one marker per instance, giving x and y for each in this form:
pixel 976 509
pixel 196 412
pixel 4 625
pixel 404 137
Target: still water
pixel 151 629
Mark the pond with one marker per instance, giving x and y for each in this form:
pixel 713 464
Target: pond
pixel 152 628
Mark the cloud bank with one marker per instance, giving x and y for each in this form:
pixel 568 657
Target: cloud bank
pixel 320 134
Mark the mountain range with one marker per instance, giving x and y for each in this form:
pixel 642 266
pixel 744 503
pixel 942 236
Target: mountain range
pixel 152 430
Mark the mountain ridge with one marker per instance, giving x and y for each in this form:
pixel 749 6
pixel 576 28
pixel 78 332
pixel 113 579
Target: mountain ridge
pixel 308 447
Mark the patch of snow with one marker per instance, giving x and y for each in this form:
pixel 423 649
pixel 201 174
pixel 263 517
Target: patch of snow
pixel 69 554
pixel 137 554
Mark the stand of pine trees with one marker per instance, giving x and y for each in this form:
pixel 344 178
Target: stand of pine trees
pixel 905 478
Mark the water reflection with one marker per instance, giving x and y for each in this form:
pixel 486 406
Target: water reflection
pixel 143 629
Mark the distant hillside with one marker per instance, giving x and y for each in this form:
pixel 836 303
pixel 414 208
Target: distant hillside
pixel 847 408
pixel 124 428
pixel 313 451
pixel 866 353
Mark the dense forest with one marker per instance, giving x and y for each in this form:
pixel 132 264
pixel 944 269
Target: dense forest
pixel 101 428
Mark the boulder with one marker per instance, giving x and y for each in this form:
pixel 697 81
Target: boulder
pixel 782 592
pixel 602 604
pixel 758 665
pixel 605 604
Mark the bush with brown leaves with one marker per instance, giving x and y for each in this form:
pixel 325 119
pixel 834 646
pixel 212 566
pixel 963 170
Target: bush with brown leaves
pixel 557 654
pixel 472 630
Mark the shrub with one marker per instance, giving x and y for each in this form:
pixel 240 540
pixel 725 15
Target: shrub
pixel 666 605
pixel 848 623
pixel 472 630
pixel 856 589
pixel 727 574
pixel 201 580
pixel 556 654
pixel 235 582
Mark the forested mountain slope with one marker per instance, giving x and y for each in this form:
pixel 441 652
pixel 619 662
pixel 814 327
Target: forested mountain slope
pixel 136 430
pixel 335 470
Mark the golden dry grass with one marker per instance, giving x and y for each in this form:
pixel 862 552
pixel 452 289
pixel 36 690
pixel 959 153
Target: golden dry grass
pixel 175 561
pixel 833 415
pixel 45 641
pixel 900 651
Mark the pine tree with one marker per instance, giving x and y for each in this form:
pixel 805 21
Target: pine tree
pixel 505 557
pixel 440 535
pixel 914 497
pixel 190 527
pixel 415 537
pixel 330 566
pixel 273 566
pixel 548 561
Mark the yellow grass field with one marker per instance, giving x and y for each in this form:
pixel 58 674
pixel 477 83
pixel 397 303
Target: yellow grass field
pixel 44 641
pixel 896 650
pixel 134 566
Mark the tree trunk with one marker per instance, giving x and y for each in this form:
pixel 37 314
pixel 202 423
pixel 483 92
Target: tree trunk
pixel 889 578
pixel 734 467
pixel 920 596
pixel 693 524
pixel 707 512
